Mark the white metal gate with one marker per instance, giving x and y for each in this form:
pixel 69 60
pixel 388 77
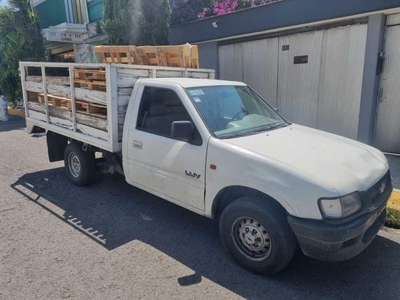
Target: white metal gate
pixel 260 59
pixel 387 132
pixel 314 78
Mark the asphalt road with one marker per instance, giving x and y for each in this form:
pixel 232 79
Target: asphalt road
pixel 113 241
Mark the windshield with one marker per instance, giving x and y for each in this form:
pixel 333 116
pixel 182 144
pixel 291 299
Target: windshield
pixel 232 111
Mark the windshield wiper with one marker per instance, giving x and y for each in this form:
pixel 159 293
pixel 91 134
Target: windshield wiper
pixel 270 127
pixel 250 131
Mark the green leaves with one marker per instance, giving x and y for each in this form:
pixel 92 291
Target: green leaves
pixel 154 22
pixel 20 39
pixel 121 21
pixel 137 22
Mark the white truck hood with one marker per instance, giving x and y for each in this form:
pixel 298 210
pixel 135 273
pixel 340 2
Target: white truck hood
pixel 344 164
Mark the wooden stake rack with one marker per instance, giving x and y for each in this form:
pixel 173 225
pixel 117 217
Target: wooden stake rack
pixel 184 56
pixel 84 107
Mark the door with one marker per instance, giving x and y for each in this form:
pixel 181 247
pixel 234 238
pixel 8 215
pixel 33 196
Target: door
pixel 299 67
pixel 171 168
pixel 255 63
pixel 260 68
pixel 387 132
pixel 341 76
pixel 231 62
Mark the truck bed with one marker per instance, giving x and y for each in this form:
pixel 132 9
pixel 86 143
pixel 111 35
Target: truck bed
pixel 87 102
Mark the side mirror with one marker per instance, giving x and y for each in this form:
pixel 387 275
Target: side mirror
pixel 182 130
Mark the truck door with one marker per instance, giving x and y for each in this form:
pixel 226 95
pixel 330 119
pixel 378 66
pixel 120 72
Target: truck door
pixel 171 168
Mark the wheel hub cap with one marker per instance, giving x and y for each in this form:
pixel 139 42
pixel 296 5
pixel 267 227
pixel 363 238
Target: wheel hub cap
pixel 252 238
pixel 74 164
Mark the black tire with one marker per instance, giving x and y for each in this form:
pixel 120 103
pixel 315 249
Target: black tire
pixel 280 242
pixel 87 164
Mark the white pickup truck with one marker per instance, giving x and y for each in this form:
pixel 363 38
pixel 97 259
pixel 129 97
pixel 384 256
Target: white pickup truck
pixel 220 150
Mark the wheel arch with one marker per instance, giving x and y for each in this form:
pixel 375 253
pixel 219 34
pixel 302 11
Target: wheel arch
pixel 230 193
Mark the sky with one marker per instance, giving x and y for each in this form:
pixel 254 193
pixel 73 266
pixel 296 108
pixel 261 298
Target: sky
pixel 3 2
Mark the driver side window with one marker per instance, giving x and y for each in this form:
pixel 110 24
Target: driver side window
pixel 159 108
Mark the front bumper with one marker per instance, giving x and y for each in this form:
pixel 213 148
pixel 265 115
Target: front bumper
pixel 336 242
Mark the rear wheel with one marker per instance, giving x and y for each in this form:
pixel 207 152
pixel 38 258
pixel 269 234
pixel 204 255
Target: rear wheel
pixel 80 166
pixel 256 233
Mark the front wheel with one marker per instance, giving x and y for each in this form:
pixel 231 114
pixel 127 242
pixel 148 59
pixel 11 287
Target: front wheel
pixel 256 233
pixel 80 166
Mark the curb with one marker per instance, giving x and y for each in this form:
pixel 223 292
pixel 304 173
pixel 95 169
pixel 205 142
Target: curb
pixel 17 112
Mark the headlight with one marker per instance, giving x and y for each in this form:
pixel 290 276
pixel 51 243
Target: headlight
pixel 341 207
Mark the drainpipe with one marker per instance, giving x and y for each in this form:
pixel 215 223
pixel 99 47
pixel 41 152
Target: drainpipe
pixel 67 11
pixel 84 4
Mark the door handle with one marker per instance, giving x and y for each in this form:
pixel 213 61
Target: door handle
pixel 137 145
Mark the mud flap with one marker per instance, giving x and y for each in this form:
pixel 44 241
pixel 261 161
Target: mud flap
pixel 56 145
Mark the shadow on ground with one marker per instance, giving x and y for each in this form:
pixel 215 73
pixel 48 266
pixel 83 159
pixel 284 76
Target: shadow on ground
pixel 112 213
pixel 14 123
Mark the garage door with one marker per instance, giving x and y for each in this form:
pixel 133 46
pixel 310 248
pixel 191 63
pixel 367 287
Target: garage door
pixel 255 63
pixel 314 78
pixel 387 133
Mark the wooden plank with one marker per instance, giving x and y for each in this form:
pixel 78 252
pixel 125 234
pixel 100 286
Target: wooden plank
pixel 120 132
pixel 90 82
pixel 85 74
pixel 33 97
pixel 194 55
pixel 122 109
pixel 91 96
pixel 62 113
pixel 125 92
pixel 34 87
pixel 55 80
pixel 112 105
pixel 24 91
pixel 121 118
pixel 73 100
pixel 100 110
pixel 184 56
pixel 123 100
pixel 82 94
pixel 44 84
pixel 90 139
pixel 117 54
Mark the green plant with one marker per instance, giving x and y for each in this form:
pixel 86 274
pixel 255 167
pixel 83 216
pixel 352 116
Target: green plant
pixel 393 218
pixel 154 22
pixel 121 21
pixel 184 11
pixel 20 39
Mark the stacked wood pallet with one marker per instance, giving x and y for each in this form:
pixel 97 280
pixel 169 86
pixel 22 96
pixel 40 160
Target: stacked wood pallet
pixel 84 107
pixel 185 56
pixel 90 79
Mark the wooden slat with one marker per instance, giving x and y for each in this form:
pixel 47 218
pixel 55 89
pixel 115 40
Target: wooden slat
pixel 93 82
pixel 82 74
pixel 81 94
pixel 63 113
pixel 54 80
